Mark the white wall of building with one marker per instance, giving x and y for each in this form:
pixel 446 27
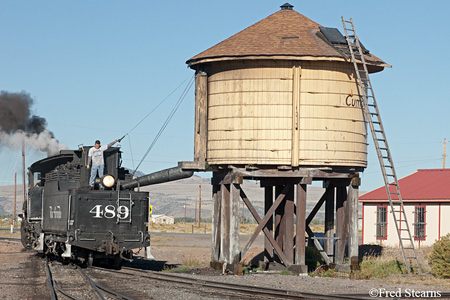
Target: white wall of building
pixel 436 218
pixel 162 219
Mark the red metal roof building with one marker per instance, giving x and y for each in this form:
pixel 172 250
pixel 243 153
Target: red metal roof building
pixel 426 198
pixel 424 185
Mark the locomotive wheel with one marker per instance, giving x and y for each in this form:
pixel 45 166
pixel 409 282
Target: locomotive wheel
pixel 25 237
pixel 25 234
pixel 114 261
pixel 117 261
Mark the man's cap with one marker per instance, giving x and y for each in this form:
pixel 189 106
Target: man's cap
pixel 97 142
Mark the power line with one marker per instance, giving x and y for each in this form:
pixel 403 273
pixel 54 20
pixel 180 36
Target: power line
pixel 135 126
pixel 131 151
pixel 183 95
pixel 157 106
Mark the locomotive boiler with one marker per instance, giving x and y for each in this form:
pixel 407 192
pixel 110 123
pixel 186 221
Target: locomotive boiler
pixel 63 216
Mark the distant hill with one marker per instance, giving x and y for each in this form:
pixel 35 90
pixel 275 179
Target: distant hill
pixel 7 199
pixel 169 198
pixel 138 173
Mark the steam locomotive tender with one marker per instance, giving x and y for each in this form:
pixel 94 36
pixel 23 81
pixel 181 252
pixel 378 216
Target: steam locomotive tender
pixel 64 217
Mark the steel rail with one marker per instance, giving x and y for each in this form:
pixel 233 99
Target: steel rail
pixel 91 283
pixel 9 240
pixel 113 292
pixel 99 287
pixel 50 280
pixel 62 291
pixel 228 287
pixel 53 286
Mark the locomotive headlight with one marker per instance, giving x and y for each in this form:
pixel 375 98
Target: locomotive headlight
pixel 108 181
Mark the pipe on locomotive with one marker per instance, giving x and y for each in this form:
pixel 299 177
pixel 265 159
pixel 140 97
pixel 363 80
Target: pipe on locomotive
pixel 162 176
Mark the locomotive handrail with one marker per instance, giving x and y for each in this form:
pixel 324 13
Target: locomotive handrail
pixel 68 213
pixel 129 208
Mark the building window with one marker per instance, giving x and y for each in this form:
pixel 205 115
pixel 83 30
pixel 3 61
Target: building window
pixel 381 222
pixel 419 222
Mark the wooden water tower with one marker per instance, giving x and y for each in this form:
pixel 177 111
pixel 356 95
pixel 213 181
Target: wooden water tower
pixel 278 102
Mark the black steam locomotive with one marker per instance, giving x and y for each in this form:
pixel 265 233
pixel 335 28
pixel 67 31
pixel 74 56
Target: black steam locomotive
pixel 63 216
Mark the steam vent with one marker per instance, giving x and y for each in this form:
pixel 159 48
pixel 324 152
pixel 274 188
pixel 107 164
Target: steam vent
pixel 280 93
pixel 279 103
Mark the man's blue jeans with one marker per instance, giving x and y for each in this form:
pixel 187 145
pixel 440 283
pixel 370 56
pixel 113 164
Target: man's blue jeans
pixel 94 170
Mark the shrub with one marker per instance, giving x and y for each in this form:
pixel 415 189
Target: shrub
pixel 375 267
pixel 325 271
pixel 286 272
pixel 371 267
pixel 313 258
pixel 439 258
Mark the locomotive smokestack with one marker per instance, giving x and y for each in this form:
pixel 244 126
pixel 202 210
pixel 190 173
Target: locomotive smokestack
pixel 162 176
pixel 18 125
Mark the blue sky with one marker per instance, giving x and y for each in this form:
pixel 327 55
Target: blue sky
pixel 96 68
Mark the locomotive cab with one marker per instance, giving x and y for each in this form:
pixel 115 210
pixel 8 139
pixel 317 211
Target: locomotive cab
pixel 64 217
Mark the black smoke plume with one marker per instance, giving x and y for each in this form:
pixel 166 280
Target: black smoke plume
pixel 18 125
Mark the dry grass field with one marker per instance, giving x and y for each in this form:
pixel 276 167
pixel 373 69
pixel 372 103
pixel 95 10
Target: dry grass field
pixel 245 229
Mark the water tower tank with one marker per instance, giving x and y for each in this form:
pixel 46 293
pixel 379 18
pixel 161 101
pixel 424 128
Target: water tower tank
pixel 280 92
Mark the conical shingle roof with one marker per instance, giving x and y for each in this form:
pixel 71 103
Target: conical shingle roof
pixel 285 33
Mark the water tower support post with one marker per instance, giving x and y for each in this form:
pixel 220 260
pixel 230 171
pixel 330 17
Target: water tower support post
pixel 353 238
pixel 234 224
pixel 329 219
pixel 225 225
pixel 216 221
pixel 280 222
pixel 300 238
pixel 341 223
pixel 289 211
pixel 268 201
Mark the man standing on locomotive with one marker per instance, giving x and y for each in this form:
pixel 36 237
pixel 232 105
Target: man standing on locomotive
pixel 95 155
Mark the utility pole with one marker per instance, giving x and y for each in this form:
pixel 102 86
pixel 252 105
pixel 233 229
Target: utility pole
pixel 15 198
pixel 199 204
pixel 185 224
pixel 445 145
pixel 195 211
pixel 23 172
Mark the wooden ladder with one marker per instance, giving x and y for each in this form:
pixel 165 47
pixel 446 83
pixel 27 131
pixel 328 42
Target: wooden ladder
pixel 372 116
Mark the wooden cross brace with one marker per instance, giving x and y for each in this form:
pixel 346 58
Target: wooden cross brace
pixel 262 224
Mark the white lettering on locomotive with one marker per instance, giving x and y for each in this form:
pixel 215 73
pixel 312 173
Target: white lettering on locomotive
pixel 55 213
pixel 109 212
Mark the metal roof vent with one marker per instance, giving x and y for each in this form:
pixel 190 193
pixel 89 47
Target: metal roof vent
pixel 287 6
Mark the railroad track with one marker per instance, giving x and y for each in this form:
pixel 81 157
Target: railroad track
pixel 95 290
pixel 9 239
pixel 222 288
pixel 201 287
